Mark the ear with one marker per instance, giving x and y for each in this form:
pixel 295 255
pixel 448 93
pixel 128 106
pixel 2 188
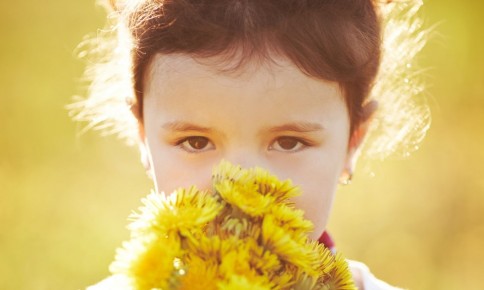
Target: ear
pixel 144 150
pixel 356 139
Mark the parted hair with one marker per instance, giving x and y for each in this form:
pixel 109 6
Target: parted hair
pixel 332 40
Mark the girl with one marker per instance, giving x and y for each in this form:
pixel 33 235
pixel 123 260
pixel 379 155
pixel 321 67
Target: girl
pixel 281 84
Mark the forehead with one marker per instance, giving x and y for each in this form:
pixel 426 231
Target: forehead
pixel 168 72
pixel 183 88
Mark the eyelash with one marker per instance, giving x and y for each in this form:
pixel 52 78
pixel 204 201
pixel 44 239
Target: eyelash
pixel 303 143
pixel 300 142
pixel 180 143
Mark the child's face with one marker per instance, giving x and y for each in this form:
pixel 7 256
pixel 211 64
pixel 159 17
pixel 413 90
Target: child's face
pixel 269 116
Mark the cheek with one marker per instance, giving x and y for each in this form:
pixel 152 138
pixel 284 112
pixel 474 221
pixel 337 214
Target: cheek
pixel 173 174
pixel 318 189
pixel 172 171
pixel 171 168
pixel 318 177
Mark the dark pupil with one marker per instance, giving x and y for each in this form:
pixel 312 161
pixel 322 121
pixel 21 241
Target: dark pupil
pixel 287 143
pixel 198 142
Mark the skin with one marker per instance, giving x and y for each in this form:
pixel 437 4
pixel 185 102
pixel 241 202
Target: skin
pixel 267 115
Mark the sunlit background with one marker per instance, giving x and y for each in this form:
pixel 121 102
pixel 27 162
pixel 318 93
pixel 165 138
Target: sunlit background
pixel 64 199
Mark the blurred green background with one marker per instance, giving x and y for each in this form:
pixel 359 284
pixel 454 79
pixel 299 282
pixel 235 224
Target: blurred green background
pixel 64 199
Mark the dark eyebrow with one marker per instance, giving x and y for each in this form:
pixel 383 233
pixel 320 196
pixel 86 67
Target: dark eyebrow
pixel 302 127
pixel 179 126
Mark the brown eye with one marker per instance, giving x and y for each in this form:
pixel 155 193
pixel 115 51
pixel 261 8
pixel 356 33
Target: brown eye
pixel 288 144
pixel 196 144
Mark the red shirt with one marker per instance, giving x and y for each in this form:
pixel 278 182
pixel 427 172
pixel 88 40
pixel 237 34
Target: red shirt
pixel 326 240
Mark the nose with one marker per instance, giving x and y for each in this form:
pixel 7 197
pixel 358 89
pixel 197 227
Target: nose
pixel 246 158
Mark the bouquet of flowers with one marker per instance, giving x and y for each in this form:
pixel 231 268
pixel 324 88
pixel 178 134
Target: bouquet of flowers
pixel 243 234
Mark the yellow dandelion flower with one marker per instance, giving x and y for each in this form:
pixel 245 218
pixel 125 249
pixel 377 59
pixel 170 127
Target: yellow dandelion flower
pixel 212 249
pixel 277 240
pixel 238 227
pixel 147 262
pixel 340 277
pixel 241 261
pixel 292 220
pixel 244 196
pixel 283 280
pixel 181 212
pixel 262 260
pixel 237 282
pixel 227 171
pixel 269 184
pixel 322 258
pixel 259 179
pixel 305 282
pixel 236 262
pixel 247 235
pixel 200 275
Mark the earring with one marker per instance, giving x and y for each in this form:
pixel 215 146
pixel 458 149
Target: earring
pixel 347 179
pixel 147 165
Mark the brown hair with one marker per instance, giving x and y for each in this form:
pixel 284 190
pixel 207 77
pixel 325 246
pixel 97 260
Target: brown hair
pixel 366 46
pixel 334 40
